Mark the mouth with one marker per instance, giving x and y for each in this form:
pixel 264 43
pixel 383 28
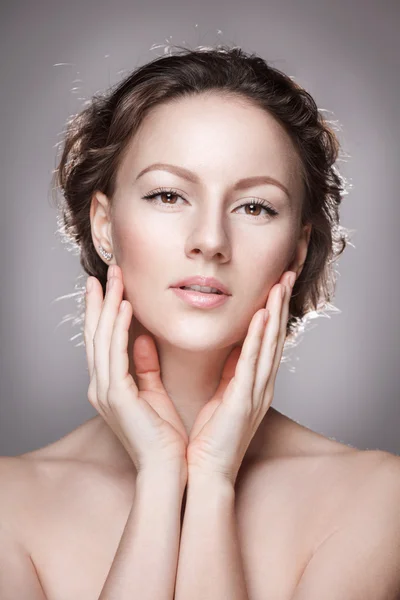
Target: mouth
pixel 200 299
pixel 201 284
pixel 202 292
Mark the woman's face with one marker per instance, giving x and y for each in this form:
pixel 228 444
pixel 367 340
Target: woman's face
pixel 201 228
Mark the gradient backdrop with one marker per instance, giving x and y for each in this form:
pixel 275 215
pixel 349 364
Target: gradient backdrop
pixel 346 381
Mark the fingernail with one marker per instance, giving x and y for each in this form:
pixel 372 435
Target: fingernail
pixel 292 279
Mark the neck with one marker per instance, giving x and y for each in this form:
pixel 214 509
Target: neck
pixel 191 378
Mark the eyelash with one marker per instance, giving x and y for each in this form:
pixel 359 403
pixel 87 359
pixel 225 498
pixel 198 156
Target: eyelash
pixel 255 202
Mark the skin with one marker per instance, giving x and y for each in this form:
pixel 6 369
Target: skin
pixel 205 233
pixel 298 488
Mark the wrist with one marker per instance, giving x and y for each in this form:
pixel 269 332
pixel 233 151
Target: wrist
pixel 204 479
pixel 166 477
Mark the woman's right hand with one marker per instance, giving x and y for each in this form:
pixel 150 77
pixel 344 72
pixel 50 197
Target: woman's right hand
pixel 145 419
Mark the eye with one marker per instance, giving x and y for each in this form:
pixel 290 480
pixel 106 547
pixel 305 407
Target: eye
pixel 164 192
pixel 262 204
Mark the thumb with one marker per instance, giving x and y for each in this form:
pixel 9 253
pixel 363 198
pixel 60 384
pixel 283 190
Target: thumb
pixel 148 373
pixel 147 365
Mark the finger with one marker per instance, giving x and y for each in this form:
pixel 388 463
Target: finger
pixel 147 365
pixel 93 304
pixel 282 338
pixel 269 344
pixel 102 338
pixel 247 363
pixel 119 360
pixel 120 378
pixel 148 372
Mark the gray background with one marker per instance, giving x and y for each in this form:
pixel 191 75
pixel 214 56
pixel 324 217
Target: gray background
pixel 346 379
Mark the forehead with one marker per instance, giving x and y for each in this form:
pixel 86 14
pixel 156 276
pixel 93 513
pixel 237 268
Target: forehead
pixel 220 138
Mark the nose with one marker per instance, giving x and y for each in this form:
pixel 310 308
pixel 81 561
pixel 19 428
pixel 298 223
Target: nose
pixel 209 236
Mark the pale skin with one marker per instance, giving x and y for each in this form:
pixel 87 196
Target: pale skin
pixel 210 459
pixel 206 234
pixel 271 506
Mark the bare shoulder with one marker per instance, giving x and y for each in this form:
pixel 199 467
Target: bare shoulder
pixel 64 513
pixel 380 488
pixel 326 491
pixel 314 478
pixel 16 485
pixel 333 469
pixel 332 474
pixel 42 479
pixel 364 469
pixel 300 491
pixel 19 482
pixel 370 462
pixel 87 461
pixel 16 475
pixel 41 493
pixel 388 463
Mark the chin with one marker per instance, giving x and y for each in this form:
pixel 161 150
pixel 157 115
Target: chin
pixel 198 339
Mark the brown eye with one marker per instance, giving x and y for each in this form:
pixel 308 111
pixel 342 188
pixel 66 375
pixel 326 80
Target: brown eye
pixel 255 204
pixel 170 194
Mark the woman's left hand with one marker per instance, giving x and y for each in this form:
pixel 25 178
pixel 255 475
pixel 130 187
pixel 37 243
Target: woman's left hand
pixel 225 426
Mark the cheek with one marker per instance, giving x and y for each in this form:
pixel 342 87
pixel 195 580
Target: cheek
pixel 132 246
pixel 143 255
pixel 267 261
pixel 137 257
pixel 139 238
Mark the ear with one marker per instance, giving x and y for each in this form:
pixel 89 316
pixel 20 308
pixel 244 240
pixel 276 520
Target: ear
pixel 100 213
pixel 301 249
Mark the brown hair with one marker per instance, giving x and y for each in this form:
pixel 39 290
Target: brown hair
pixel 96 138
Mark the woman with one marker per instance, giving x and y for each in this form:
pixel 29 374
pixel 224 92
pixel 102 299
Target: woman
pixel 206 168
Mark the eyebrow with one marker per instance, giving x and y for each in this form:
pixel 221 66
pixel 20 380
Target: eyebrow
pixel 193 178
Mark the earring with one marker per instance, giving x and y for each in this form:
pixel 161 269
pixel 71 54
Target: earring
pixel 105 254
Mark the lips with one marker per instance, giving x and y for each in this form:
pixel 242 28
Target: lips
pixel 203 281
